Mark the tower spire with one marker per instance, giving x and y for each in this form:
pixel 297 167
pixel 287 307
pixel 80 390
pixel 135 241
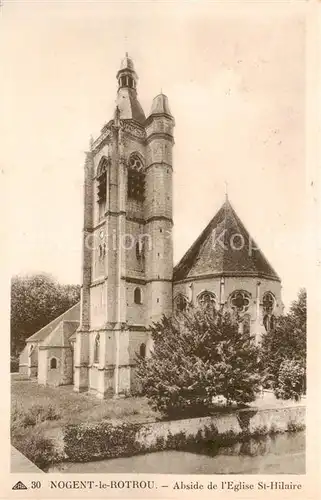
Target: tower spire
pixel 127 101
pixel 226 190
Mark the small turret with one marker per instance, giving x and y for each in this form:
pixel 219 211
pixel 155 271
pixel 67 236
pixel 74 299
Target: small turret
pixel 160 105
pixel 127 102
pixel 158 208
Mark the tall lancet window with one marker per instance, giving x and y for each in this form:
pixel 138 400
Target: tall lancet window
pixel 180 303
pixel 136 179
pixel 268 309
pixel 102 187
pixel 97 348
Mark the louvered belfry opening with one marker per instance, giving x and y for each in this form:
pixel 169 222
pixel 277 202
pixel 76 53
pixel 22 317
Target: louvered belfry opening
pixel 136 179
pixel 102 186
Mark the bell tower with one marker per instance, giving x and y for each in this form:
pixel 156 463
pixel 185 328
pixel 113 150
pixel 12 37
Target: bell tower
pixel 127 240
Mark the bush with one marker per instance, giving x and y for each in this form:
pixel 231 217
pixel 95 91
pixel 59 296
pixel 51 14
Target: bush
pixel 85 442
pixel 33 415
pixel 36 447
pixel 287 340
pixel 209 357
pixel 290 383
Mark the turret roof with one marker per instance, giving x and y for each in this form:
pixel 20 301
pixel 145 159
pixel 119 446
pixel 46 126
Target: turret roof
pixel 127 63
pixel 160 105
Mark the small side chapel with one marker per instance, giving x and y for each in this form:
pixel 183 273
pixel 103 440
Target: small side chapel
pixel 128 277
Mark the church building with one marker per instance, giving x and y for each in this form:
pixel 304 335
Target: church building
pixel 128 277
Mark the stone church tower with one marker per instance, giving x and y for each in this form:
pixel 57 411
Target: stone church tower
pixel 128 280
pixel 127 241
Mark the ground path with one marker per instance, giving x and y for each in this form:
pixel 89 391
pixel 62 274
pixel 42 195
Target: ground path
pixel 20 463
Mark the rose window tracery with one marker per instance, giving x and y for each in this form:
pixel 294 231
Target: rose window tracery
pixel 207 300
pixel 240 301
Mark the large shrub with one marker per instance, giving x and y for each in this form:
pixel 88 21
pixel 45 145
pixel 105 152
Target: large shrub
pixel 197 356
pixel 287 341
pixel 290 383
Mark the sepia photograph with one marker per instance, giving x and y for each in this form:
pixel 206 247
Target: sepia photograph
pixel 156 153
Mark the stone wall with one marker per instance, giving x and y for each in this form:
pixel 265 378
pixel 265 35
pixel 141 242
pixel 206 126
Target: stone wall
pixel 249 421
pixel 112 439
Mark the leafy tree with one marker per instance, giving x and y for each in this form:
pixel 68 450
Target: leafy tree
pixel 196 356
pixel 286 342
pixel 290 383
pixel 35 301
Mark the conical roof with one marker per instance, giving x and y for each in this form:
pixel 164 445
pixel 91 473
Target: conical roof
pixel 127 63
pixel 224 248
pixel 160 105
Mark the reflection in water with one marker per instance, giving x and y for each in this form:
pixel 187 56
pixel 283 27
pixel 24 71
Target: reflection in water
pixel 276 454
pixel 272 444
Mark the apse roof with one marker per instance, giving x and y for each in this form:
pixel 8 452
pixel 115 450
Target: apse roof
pixel 224 248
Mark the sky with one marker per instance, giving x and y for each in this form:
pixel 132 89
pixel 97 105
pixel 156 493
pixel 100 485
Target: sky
pixel 235 81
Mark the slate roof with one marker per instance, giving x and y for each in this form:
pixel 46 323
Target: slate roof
pixel 213 253
pixel 127 63
pixel 129 106
pixel 71 314
pixel 60 336
pixel 160 105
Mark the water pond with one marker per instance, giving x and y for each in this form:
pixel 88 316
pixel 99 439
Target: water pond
pixel 277 454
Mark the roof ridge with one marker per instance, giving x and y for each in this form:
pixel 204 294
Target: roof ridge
pixel 53 320
pixel 255 246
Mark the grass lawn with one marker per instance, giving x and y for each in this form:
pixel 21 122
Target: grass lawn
pixel 74 407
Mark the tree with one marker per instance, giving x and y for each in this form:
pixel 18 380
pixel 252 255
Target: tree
pixel 35 301
pixel 196 356
pixel 286 342
pixel 290 383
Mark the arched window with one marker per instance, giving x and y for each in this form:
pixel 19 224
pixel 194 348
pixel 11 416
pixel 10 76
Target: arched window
pixel 96 348
pixel 138 296
pixel 136 179
pixel 268 303
pixel 207 300
pixel 268 308
pixel 140 250
pixel 53 363
pixel 142 350
pixel 246 324
pixel 31 348
pixel 240 301
pixel 180 303
pixel 269 322
pixel 102 185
